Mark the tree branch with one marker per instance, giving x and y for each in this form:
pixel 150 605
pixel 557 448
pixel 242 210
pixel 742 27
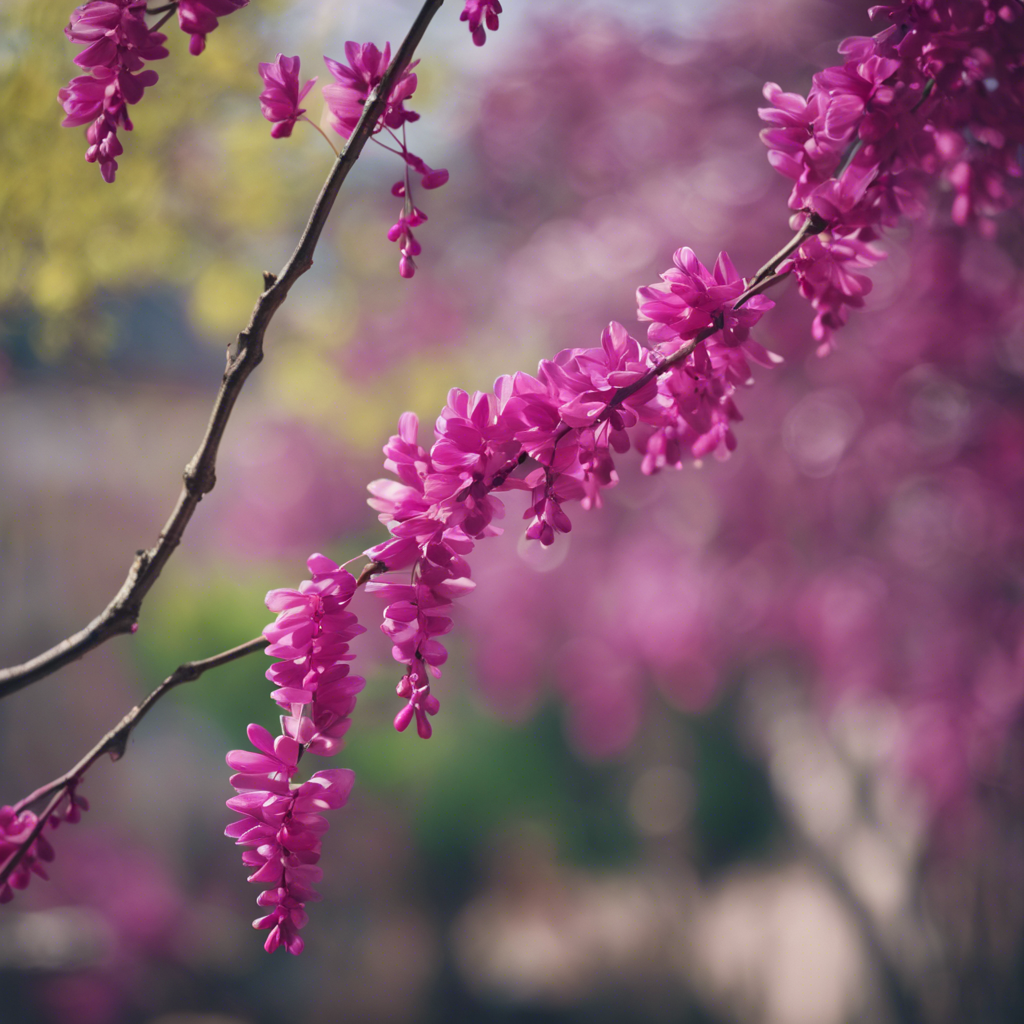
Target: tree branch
pixel 121 614
pixel 115 741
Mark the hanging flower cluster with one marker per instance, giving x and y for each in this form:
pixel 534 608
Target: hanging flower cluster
pixel 281 821
pixel 937 94
pixel 562 428
pixel 118 43
pixel 345 98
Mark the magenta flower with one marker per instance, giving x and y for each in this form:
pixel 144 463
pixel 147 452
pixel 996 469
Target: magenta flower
pixel 281 820
pixel 401 232
pixel 282 826
pixel 346 99
pixel 15 828
pixel 117 35
pixel 353 83
pixel 200 17
pixel 119 42
pixel 692 298
pixel 279 102
pixel 826 269
pixel 791 138
pixel 14 832
pixel 478 13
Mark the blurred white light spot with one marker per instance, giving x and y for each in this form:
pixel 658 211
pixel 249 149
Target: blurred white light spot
pixel 541 558
pixel 60 939
pixel 819 429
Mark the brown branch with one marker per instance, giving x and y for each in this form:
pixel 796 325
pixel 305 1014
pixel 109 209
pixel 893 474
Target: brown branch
pixel 121 614
pixel 171 9
pixel 115 741
pixel 761 281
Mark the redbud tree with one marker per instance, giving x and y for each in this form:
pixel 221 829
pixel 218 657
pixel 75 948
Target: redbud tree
pixel 872 531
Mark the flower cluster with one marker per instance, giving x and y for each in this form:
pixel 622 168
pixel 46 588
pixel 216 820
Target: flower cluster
pixel 562 426
pixel 281 821
pixel 353 82
pixel 933 95
pixel 345 99
pixel 118 42
pixel 16 826
pixel 479 13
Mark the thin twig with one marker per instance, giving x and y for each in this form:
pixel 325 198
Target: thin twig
pixel 812 226
pixel 762 280
pixel 115 741
pixel 19 854
pixel 121 614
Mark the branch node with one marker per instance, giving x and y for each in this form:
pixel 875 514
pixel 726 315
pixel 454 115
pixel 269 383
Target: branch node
pixel 372 569
pixel 199 479
pixel 269 280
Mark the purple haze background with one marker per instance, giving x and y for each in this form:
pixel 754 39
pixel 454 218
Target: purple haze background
pixel 859 555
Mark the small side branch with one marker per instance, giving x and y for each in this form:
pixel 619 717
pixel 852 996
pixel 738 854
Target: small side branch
pixel 115 742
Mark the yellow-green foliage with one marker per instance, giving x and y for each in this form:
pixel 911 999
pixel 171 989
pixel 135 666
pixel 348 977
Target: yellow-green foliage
pixel 204 201
pixel 199 179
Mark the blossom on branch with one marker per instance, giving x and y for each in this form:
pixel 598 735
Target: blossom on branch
pixel 583 406
pixel 118 44
pixel 281 821
pixel 826 271
pixel 479 13
pixel 346 98
pixel 692 298
pixel 16 828
pixel 280 100
pixel 353 82
pixel 934 95
pixel 200 17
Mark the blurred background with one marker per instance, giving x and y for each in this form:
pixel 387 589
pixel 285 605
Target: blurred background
pixel 744 747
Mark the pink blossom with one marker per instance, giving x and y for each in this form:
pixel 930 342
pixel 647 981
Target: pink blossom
pixel 200 17
pixel 875 130
pixel 826 271
pixel 569 420
pixel 478 13
pixel 280 100
pixel 282 825
pixel 346 97
pixel 353 83
pixel 401 232
pixel 16 826
pixel 280 819
pixel 117 35
pixel 692 298
pixel 119 41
